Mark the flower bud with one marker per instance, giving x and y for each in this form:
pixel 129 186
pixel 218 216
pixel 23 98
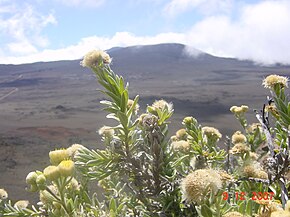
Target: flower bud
pixel 41 182
pixel 21 204
pixel 66 168
pixel 57 156
pixel 31 178
pixel 188 120
pixel 3 194
pixel 51 173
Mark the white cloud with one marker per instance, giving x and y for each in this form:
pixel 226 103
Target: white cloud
pixel 94 42
pixel 261 33
pixel 175 7
pixel 21 28
pixel 82 3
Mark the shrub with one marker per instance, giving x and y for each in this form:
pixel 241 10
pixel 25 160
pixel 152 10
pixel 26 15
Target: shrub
pixel 143 172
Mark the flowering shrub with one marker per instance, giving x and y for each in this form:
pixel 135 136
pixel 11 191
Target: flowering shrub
pixel 143 172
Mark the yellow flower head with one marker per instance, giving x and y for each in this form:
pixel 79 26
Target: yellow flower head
pixel 238 110
pixel 211 132
pixel 66 168
pixel 107 132
pixel 3 194
pixel 233 214
pixel 94 58
pixel 198 184
pixel 238 137
pixel 73 150
pixel 21 204
pixel 239 148
pixel 181 134
pixel 180 145
pixel 57 156
pixel 280 213
pixel 272 80
pixel 51 173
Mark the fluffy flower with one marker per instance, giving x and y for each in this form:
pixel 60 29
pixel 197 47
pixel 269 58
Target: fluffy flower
pixel 21 204
pixel 162 104
pixel 196 185
pixel 94 58
pixel 73 150
pixel 3 194
pixel 180 145
pixel 233 214
pixel 211 132
pixel 66 168
pixel 51 173
pixel 239 109
pixel 254 169
pixel 280 213
pixel 41 181
pixel 181 134
pixel 253 127
pixel 239 148
pixel 106 131
pixel 189 120
pixel 238 137
pixel 57 156
pixel 272 80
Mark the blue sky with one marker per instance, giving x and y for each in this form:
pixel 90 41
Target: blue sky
pixel 47 30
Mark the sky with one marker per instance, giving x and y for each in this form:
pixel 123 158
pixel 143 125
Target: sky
pixel 49 30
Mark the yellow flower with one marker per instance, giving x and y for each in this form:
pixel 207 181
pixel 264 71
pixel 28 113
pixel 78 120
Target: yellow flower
pixel 238 137
pixel 280 213
pixel 57 156
pixel 233 214
pixel 173 139
pixel 66 168
pixel 3 194
pixel 106 131
pixel 21 204
pixel 211 132
pixel 239 148
pixel 239 109
pixel 180 145
pixel 181 134
pixel 198 184
pixel 94 58
pixel 272 80
pixel 51 173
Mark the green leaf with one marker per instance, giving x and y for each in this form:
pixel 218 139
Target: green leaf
pixel 205 211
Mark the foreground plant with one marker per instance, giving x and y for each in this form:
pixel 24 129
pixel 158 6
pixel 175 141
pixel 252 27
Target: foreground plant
pixel 144 172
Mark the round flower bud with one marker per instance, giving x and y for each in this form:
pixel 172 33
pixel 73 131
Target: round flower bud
pixel 33 188
pixel 181 134
pixel 57 156
pixel 3 194
pixel 238 137
pixel 31 178
pixel 189 120
pixel 51 173
pixel 66 168
pixel 21 204
pixel 41 182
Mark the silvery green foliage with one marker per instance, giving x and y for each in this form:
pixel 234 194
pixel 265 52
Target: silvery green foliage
pixel 140 170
